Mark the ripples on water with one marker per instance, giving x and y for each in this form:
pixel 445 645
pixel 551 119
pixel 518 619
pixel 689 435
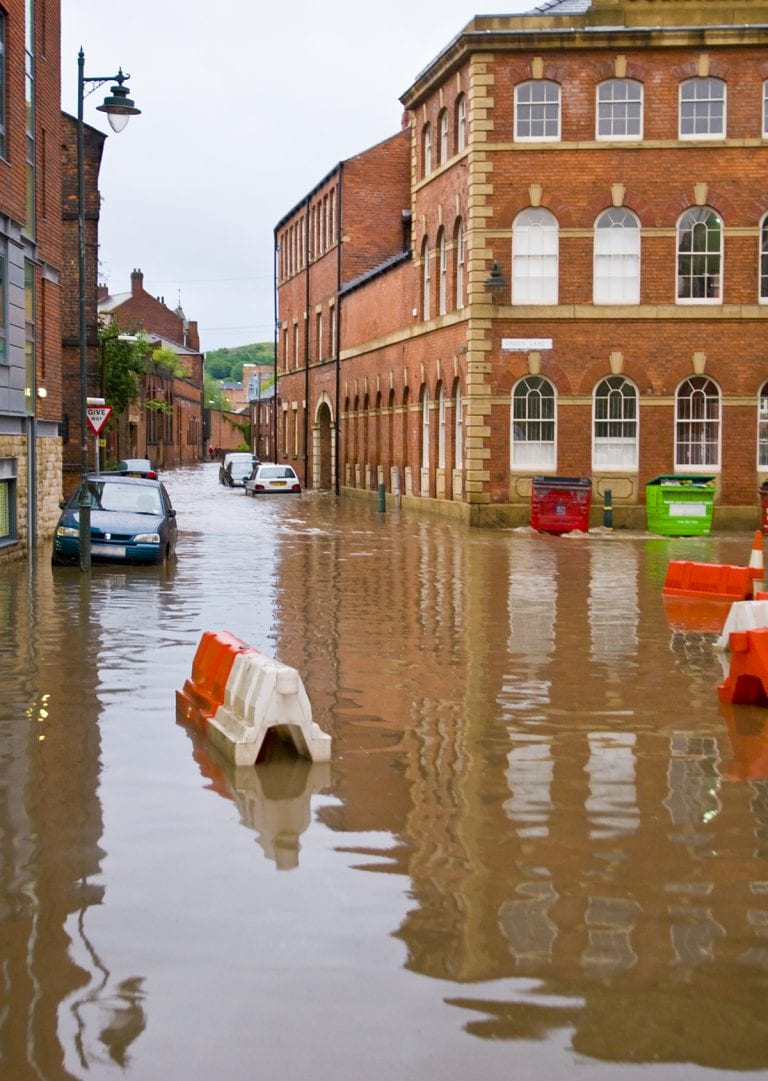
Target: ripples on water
pixel 563 835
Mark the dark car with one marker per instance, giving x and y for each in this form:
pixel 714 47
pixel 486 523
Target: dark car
pixel 132 521
pixel 271 477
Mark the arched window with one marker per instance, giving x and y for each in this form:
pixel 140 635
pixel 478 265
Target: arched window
pixel 699 257
pixel 460 256
pixel 441 427
pixel 425 279
pixel 762 428
pixel 458 428
pixel 614 444
pixel 424 428
pixel 461 123
pixel 442 132
pixel 702 109
pixel 764 260
pixel 537 111
pixel 442 282
pixel 534 257
pixel 697 424
pixel 617 258
pixel 620 109
pixel 533 424
pixel 426 150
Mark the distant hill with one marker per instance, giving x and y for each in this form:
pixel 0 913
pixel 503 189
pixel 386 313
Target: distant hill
pixel 228 364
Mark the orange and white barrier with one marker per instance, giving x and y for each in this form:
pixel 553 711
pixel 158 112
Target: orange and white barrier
pixel 716 581
pixel 743 616
pixel 239 696
pixel 756 564
pixel 747 680
pixel 204 692
pixel 263 695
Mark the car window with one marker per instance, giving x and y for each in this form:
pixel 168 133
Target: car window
pixel 278 472
pixel 133 499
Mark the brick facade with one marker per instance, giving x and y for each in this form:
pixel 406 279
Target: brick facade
pixel 31 265
pixel 418 392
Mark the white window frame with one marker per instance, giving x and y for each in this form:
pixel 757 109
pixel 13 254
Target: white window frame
pixel 616 110
pixel 535 453
pixel 537 102
pixel 426 149
pixel 460 264
pixel 458 429
pixel 703 94
pixel 442 134
pixel 442 281
pixel 461 123
pixel 696 221
pixel 762 269
pixel 426 282
pixel 616 258
pixel 762 429
pixel 425 427
pixel 701 423
pixel 535 257
pixel 441 428
pixel 615 425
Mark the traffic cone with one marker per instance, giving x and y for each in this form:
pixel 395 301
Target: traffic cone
pixel 756 563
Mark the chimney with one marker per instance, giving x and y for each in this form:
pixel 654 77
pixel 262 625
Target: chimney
pixel 137 283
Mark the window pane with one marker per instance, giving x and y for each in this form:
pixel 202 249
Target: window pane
pixel 534 257
pixel 619 109
pixel 702 107
pixel 699 255
pixel 537 110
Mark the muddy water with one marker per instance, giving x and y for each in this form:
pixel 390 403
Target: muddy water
pixel 540 849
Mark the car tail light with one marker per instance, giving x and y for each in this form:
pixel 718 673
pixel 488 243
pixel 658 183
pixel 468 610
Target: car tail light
pixel 259 487
pixel 150 474
pixel 296 488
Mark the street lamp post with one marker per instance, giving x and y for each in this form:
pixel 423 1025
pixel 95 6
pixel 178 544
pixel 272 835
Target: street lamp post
pixel 119 109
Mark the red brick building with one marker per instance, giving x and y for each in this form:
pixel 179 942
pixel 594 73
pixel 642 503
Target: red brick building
pixel 166 424
pixel 583 286
pixel 30 273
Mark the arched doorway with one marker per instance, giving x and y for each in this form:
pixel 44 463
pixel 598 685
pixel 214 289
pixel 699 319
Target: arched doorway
pixel 323 470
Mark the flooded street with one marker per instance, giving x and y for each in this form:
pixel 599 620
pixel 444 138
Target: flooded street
pixel 540 849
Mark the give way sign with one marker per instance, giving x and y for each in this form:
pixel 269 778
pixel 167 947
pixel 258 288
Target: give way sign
pixel 97 416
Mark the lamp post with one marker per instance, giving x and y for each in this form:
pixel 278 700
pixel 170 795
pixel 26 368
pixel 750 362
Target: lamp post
pixel 119 109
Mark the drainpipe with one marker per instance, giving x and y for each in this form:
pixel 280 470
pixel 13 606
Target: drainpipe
pixel 276 249
pixel 307 328
pixel 337 317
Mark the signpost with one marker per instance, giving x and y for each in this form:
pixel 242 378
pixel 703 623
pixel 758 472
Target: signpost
pixel 97 414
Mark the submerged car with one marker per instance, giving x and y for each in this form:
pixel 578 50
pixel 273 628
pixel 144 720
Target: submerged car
pixel 270 477
pixel 135 467
pixel 132 521
pixel 236 466
pixel 239 470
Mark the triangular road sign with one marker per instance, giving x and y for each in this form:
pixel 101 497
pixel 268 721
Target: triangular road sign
pixel 97 416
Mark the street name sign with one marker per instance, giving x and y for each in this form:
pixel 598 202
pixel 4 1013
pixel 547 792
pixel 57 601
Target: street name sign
pixel 525 345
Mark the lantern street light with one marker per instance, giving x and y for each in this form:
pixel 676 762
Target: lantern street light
pixel 119 109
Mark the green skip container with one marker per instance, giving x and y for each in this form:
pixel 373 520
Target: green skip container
pixel 680 504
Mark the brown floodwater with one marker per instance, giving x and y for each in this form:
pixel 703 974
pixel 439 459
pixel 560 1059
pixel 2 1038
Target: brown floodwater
pixel 540 849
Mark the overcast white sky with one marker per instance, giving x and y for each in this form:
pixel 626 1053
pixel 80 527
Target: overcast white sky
pixel 245 106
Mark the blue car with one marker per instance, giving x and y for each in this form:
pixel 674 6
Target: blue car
pixel 132 521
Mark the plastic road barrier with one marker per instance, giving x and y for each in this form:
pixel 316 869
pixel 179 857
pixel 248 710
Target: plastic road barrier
pixel 747 682
pixel 717 581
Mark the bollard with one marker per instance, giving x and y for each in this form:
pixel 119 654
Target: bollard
pixel 608 509
pixel 382 499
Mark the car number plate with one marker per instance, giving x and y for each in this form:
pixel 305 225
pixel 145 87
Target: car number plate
pixel 117 550
pixel 278 484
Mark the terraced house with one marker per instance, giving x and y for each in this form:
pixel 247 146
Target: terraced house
pixel 558 267
pixel 30 267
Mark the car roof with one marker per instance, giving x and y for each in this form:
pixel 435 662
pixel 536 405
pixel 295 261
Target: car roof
pixel 120 478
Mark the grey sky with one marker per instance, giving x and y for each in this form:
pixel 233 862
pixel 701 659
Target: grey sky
pixel 244 107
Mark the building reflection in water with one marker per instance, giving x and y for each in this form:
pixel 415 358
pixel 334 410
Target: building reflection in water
pixel 50 832
pixel 552 766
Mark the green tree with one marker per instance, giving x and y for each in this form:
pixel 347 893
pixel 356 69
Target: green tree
pixel 123 364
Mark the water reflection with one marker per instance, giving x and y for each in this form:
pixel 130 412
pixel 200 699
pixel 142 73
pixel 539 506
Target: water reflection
pixel 539 825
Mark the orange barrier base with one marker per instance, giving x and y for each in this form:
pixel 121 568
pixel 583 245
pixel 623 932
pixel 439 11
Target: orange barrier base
pixel 715 581
pixel 696 614
pixel 204 692
pixel 747 682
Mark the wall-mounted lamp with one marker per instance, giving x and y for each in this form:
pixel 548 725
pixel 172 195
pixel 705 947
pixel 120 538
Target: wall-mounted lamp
pixel 42 392
pixel 495 282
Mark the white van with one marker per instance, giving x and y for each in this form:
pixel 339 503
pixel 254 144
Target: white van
pixel 237 467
